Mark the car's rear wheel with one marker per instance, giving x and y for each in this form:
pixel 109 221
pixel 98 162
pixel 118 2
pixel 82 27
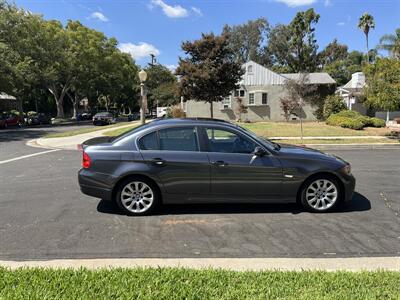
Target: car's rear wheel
pixel 321 194
pixel 137 196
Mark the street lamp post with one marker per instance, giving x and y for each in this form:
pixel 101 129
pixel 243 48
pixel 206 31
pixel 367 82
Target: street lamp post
pixel 142 77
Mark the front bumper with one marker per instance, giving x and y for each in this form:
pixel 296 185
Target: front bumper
pixel 349 185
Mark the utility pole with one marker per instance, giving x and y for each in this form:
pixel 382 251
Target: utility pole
pixel 153 60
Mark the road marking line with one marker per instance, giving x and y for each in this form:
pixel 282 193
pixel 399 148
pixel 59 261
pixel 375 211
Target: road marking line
pixel 27 156
pixel 238 264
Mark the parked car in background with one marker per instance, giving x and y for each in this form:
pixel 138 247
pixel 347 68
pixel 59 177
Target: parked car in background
pixel 3 123
pixel 133 116
pixel 38 119
pixel 83 116
pixel 198 161
pixel 103 118
pixel 11 119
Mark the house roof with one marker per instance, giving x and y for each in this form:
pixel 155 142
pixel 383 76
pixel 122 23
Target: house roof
pixel 4 96
pixel 313 78
pixel 260 75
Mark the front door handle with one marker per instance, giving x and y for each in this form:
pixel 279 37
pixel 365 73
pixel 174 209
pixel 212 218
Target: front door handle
pixel 158 161
pixel 219 163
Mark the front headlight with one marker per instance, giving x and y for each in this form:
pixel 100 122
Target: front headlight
pixel 346 170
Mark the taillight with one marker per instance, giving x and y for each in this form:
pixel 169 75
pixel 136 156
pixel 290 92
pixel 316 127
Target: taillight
pixel 85 160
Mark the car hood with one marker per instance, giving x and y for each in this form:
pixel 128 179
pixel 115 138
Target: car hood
pixel 308 153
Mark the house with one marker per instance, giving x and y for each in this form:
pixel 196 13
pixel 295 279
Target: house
pixel 260 92
pixel 352 93
pixel 8 102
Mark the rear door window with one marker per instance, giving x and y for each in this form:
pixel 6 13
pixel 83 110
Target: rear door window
pixel 178 139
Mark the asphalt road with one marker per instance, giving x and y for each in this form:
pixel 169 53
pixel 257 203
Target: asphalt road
pixel 43 215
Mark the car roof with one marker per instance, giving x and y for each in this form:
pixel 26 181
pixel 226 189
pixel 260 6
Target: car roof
pixel 191 121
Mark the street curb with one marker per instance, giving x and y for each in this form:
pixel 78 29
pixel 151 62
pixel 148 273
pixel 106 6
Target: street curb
pixel 376 146
pixel 237 264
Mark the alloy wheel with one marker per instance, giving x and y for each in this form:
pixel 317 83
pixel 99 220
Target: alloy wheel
pixel 321 194
pixel 137 197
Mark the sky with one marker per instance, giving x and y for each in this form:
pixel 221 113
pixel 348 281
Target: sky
pixel 159 26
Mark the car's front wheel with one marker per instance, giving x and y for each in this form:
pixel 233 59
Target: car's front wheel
pixel 321 194
pixel 137 196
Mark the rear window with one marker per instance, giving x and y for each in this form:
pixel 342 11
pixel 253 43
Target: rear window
pixel 149 142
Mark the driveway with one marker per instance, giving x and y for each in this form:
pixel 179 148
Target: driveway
pixel 43 215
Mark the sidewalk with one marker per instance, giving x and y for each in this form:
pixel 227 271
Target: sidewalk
pixel 238 264
pixel 71 142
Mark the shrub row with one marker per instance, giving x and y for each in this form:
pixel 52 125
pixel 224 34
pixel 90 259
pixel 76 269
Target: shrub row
pixel 353 120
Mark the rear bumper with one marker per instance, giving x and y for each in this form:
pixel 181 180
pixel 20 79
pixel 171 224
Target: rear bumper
pixel 92 188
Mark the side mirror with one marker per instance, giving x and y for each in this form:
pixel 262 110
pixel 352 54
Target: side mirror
pixel 258 151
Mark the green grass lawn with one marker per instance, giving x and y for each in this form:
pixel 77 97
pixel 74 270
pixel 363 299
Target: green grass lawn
pixel 274 129
pixel 83 130
pixel 168 283
pixel 339 141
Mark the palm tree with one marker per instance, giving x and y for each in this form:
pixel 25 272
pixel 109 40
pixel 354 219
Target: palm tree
pixel 391 43
pixel 365 23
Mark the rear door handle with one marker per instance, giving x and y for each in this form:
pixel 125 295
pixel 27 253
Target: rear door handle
pixel 219 163
pixel 158 161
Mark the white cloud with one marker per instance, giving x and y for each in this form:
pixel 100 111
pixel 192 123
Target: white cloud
pixel 341 23
pixel 98 16
pixel 140 50
pixel 197 11
pixel 328 3
pixel 172 68
pixel 170 11
pixel 294 3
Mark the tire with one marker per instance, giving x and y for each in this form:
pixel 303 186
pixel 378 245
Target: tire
pixel 145 192
pixel 321 194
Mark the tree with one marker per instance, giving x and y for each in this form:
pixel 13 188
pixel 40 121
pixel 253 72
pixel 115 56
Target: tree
pixel 294 46
pixel 333 52
pixel 241 108
pixel 162 86
pixel 366 23
pixel 391 43
pixel 383 84
pixel 246 40
pixel 333 104
pixel 210 71
pixel 298 93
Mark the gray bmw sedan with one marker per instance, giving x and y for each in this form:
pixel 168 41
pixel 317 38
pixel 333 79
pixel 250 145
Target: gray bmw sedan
pixel 209 161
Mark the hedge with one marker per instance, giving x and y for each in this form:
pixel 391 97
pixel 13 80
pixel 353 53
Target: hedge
pixel 353 120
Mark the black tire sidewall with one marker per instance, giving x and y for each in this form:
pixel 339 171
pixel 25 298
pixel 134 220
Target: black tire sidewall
pixel 155 190
pixel 307 184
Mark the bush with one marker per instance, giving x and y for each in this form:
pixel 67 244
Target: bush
pixel 175 112
pixel 333 105
pixel 376 122
pixel 354 120
pixel 335 120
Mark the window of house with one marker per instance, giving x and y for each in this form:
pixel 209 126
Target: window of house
pixel 178 139
pixel 149 142
pixel 236 93
pixel 264 98
pixel 241 92
pixel 251 99
pixel 250 69
pixel 226 103
pixel 220 140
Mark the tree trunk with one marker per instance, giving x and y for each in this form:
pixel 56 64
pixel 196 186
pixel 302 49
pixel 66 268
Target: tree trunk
pixel 60 109
pixel 387 116
pixel 301 128
pixel 59 100
pixel 75 104
pixel 366 36
pixel 211 110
